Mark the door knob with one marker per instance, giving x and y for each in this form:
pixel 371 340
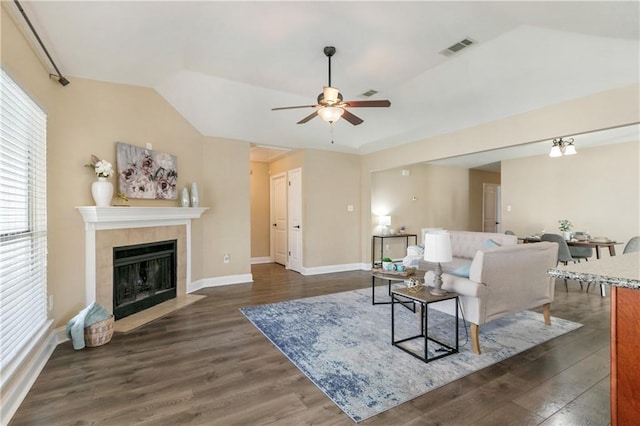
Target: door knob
pixel 275 224
pixel 297 226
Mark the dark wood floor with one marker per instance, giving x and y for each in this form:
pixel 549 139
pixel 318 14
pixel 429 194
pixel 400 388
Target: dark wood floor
pixel 207 365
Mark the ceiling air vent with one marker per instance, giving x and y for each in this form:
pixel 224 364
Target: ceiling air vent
pixel 369 93
pixel 457 47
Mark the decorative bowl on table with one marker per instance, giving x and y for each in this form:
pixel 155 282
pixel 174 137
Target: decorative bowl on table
pixel 600 240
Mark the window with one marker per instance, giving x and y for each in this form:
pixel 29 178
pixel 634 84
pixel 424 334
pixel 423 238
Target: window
pixel 23 221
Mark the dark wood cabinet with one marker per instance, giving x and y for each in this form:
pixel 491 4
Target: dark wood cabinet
pixel 625 356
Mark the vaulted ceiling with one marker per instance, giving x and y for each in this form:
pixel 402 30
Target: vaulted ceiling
pixel 224 65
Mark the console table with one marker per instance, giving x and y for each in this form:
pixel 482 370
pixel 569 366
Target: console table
pixel 381 238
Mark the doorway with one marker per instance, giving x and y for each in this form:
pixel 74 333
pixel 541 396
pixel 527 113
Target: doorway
pixel 278 234
pixel 491 208
pixel 286 219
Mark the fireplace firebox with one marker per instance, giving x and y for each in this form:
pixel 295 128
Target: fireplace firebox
pixel 144 275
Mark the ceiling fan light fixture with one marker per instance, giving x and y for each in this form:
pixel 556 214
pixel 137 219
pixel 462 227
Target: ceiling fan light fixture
pixel 330 95
pixel 330 114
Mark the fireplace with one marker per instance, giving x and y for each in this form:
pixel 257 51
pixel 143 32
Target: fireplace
pixel 144 275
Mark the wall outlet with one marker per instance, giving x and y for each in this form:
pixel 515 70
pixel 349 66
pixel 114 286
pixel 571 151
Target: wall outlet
pixel 226 258
pixel 50 307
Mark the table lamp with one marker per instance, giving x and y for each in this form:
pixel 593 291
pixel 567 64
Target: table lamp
pixel 384 221
pixel 437 249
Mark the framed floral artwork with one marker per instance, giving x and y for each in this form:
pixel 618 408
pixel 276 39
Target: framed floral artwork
pixel 144 173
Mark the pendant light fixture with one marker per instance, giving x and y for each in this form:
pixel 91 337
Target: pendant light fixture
pixel 562 147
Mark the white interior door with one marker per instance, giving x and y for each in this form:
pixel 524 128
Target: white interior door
pixel 279 218
pixel 491 207
pixel 294 201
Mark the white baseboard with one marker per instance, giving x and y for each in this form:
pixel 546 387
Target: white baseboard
pixel 61 335
pixel 219 281
pixel 22 373
pixel 365 266
pixel 257 260
pixel 332 268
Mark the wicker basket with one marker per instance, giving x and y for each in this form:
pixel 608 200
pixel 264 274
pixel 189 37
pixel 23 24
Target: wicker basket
pixel 99 333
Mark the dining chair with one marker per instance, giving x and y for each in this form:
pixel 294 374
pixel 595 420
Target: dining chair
pixel 633 245
pixel 579 253
pixel 564 255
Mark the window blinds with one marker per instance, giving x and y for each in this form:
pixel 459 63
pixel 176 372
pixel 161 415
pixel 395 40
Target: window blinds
pixel 23 220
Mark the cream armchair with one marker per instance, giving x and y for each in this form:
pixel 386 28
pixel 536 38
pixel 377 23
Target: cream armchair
pixel 502 280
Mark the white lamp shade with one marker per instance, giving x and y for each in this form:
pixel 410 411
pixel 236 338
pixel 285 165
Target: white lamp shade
pixel 384 220
pixel 330 114
pixel 555 151
pixel 437 247
pixel 570 150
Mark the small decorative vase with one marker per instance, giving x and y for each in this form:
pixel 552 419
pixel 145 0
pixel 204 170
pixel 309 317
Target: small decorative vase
pixel 184 200
pixel 102 192
pixel 567 235
pixel 195 197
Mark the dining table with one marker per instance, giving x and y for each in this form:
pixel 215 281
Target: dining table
pixel 595 244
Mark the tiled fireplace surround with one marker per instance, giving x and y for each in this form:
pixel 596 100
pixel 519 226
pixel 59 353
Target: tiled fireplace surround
pixel 108 227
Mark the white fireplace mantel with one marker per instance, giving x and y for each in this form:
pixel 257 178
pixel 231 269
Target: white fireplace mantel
pixel 106 218
pixel 99 218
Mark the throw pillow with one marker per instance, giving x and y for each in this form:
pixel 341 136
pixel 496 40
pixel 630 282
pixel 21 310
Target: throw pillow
pixel 489 244
pixel 462 271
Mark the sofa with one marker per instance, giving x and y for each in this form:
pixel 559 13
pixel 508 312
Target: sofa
pixel 495 276
pixel 464 245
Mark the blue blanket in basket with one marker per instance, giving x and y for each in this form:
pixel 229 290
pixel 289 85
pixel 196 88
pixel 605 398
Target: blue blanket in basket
pixel 90 315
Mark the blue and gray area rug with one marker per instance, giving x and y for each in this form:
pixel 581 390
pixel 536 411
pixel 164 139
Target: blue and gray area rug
pixel 343 344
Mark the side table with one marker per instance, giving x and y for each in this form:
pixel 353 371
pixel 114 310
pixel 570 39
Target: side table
pixel 424 299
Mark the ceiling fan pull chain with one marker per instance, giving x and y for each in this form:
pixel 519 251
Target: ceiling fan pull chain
pixel 331 126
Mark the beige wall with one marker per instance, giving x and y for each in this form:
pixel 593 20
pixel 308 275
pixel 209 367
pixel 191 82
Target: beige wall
pixel 617 107
pixel 331 182
pixel 294 160
pixel 441 197
pixel 227 229
pixel 598 190
pixel 260 209
pixel 430 196
pixel 89 117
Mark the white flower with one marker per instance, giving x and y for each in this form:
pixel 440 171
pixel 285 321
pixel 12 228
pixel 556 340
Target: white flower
pixel 103 168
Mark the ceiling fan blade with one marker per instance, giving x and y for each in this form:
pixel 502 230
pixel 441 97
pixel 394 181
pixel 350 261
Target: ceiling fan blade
pixel 308 117
pixel 294 107
pixel 362 104
pixel 355 120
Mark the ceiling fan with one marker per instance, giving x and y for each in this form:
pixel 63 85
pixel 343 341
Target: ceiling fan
pixel 331 106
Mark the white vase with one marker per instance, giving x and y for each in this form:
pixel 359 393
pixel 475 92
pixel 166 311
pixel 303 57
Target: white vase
pixel 567 235
pixel 195 197
pixel 184 200
pixel 102 192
